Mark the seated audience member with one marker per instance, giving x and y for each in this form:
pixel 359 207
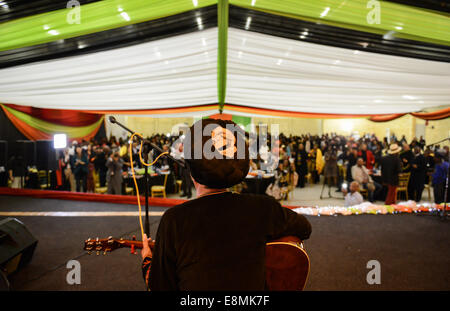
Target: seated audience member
pixel 361 175
pixel 353 197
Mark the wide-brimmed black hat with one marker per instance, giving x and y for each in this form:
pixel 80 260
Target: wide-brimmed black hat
pixel 216 152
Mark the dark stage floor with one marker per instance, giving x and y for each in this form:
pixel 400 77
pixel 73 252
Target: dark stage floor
pixel 413 250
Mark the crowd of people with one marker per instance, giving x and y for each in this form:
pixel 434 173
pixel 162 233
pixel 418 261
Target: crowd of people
pixel 350 164
pixel 371 163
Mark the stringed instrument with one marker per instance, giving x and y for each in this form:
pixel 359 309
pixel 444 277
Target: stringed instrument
pixel 287 263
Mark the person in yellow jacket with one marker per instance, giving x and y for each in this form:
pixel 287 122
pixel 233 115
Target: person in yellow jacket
pixel 316 163
pixel 320 163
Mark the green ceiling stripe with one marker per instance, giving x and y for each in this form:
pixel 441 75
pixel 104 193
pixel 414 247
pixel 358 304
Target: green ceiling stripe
pixel 94 17
pixel 222 21
pixel 407 22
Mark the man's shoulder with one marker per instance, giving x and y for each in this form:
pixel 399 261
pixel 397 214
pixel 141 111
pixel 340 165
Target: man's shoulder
pixel 248 199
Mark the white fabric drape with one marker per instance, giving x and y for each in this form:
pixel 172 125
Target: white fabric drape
pixel 174 72
pixel 276 73
pixel 263 71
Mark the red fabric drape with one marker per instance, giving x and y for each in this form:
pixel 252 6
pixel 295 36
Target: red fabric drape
pixel 386 118
pixel 34 134
pixel 60 117
pixel 223 116
pixel 435 115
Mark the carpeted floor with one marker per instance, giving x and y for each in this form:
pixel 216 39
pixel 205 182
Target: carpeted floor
pixel 413 250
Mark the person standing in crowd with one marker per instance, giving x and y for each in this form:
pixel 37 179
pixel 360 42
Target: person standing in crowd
pixel 439 178
pixel 367 156
pixel 114 174
pixel 316 163
pixel 330 169
pixel 407 157
pixel 418 174
pixel 70 184
pixel 60 175
pixel 90 185
pixel 80 169
pixel 101 154
pixel 17 171
pixel 301 165
pixel 351 158
pixel 391 166
pixel 185 173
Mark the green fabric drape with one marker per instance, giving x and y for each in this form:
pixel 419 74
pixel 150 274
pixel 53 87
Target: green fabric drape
pixel 222 17
pixel 94 17
pixel 405 21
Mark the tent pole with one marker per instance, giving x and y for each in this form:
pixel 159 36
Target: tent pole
pixel 222 23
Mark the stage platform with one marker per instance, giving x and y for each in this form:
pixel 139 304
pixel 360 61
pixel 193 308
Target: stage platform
pixel 413 249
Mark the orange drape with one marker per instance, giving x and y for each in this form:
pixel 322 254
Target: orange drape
pixel 434 115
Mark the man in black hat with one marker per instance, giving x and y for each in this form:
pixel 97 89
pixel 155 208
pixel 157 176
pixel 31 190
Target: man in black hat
pixel 217 241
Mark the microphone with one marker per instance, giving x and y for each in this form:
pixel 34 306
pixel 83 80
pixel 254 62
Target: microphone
pixel 112 119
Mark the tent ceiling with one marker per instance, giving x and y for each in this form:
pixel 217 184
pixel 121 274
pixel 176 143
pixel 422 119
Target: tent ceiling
pixel 317 57
pixel 263 71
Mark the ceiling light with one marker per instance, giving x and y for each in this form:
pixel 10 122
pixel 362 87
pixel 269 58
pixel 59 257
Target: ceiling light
pixel 4 5
pixel 408 97
pixel 195 3
pixel 398 27
pixel 199 23
pixel 325 12
pixel 125 16
pixel 253 2
pixel 53 32
pixel 247 24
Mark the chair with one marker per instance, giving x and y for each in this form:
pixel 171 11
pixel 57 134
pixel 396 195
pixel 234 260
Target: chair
pixel 43 176
pixel 308 178
pixel 179 182
pixel 160 190
pixel 403 180
pixel 101 190
pixel 363 192
pixel 129 190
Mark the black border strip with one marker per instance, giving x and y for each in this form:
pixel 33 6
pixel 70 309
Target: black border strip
pixel 23 8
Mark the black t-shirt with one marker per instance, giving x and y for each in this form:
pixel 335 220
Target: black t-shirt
pixel 217 242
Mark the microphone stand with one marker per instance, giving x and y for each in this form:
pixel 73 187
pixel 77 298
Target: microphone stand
pixel 147 147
